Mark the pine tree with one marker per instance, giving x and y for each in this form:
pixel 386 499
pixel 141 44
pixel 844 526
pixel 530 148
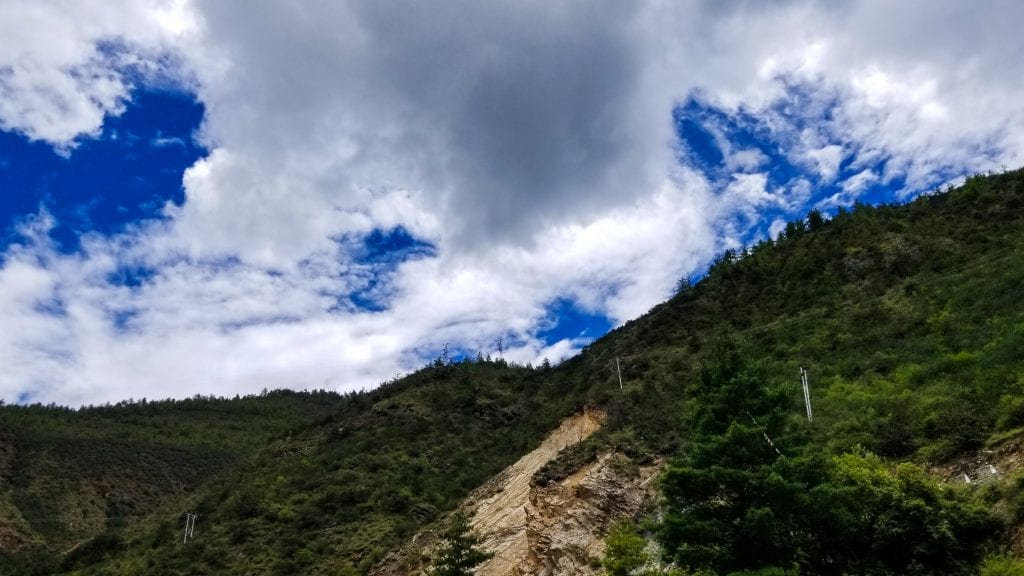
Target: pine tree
pixel 460 551
pixel 727 507
pixel 815 220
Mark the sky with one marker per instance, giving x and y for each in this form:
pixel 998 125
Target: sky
pixel 222 197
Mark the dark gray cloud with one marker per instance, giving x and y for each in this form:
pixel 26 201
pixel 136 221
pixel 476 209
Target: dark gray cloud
pixel 508 116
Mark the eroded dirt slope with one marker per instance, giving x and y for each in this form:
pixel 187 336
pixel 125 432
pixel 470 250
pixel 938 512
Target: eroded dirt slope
pixel 500 507
pixel 564 523
pixel 551 530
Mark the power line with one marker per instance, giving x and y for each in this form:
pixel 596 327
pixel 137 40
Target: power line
pixel 764 433
pixel 64 519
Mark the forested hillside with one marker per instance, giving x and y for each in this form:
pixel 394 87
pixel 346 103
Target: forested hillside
pixel 908 317
pixel 66 475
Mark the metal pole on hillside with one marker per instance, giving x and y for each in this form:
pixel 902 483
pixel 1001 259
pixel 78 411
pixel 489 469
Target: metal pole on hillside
pixel 807 393
pixel 618 371
pixel 190 526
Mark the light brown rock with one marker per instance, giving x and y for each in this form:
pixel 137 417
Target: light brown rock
pixel 564 523
pixel 551 530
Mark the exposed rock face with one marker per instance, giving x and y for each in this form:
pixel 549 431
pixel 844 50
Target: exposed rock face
pixel 996 462
pixel 999 462
pixel 559 528
pixel 551 530
pixel 567 521
pixel 499 508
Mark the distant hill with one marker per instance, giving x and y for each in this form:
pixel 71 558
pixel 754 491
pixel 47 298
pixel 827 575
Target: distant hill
pixel 908 317
pixel 67 475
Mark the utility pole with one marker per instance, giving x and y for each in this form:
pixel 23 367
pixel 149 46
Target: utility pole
pixel 807 393
pixel 618 370
pixel 190 526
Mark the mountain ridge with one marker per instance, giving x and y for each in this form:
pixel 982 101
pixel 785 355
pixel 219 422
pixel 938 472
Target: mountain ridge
pixel 894 309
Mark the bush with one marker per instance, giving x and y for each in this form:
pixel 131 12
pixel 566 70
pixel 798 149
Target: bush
pixel 1002 566
pixel 625 550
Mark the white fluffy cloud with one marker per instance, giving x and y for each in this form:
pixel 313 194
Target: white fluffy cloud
pixel 530 142
pixel 928 88
pixel 231 327
pixel 62 63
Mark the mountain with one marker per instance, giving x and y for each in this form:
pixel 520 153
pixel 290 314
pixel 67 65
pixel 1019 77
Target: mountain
pixel 907 317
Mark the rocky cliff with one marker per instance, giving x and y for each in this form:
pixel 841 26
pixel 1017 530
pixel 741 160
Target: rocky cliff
pixel 552 530
pixel 564 523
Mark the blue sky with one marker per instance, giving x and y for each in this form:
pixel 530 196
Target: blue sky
pixel 125 174
pixel 221 198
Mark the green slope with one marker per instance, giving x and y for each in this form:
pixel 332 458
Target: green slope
pixel 908 317
pixel 339 494
pixel 66 476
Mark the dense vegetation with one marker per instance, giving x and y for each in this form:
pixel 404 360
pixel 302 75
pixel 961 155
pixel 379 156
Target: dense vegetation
pixel 908 317
pixel 334 494
pixel 734 501
pixel 65 475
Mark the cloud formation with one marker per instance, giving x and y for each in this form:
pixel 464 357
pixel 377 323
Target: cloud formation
pixel 62 65
pixel 531 144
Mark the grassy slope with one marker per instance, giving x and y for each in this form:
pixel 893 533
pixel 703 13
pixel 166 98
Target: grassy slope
pixel 909 318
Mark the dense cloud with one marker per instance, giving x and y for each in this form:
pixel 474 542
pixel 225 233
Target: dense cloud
pixel 531 144
pixel 500 119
